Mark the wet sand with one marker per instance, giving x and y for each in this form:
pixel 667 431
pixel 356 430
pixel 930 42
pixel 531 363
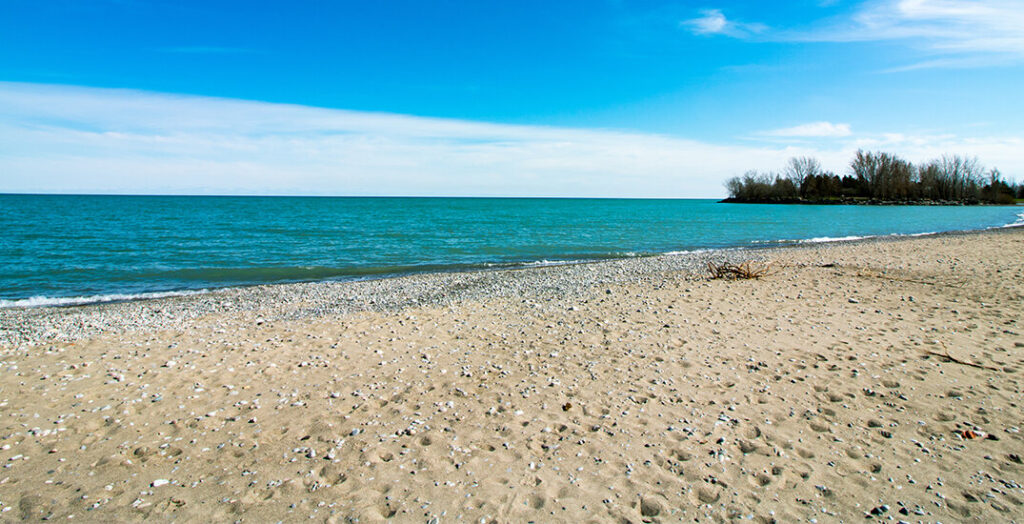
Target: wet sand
pixel 879 378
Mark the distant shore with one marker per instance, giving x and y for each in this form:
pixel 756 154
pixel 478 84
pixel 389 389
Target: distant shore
pixel 858 202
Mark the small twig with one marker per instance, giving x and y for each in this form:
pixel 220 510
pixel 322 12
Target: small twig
pixel 955 360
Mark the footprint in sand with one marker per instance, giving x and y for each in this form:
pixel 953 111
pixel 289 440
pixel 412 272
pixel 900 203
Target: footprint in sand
pixel 747 446
pixel 760 480
pixel 707 494
pixel 650 507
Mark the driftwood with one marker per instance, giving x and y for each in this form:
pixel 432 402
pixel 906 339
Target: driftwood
pixel 743 270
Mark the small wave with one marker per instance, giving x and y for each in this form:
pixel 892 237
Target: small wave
pixel 94 299
pixel 1017 223
pixel 820 240
pixel 779 241
pixel 546 263
pixel 850 238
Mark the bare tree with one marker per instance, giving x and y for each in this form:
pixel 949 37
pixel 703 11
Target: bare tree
pixel 735 187
pixel 876 175
pixel 930 181
pixel 962 175
pixel 799 168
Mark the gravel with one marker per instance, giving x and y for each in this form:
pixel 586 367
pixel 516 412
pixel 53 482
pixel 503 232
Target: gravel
pixel 268 303
pixel 547 285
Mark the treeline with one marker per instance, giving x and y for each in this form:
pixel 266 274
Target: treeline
pixel 878 177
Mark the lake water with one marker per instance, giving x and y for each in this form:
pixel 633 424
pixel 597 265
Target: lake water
pixel 57 249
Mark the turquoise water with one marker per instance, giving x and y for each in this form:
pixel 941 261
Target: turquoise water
pixel 59 249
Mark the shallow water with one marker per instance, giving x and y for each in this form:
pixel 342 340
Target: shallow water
pixel 59 249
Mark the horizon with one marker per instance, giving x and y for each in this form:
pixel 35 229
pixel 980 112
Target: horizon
pixel 189 195
pixel 575 100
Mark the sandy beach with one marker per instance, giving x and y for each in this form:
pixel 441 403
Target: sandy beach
pixel 878 379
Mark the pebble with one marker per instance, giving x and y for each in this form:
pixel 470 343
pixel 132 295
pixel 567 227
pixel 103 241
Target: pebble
pixel 878 511
pixel 35 326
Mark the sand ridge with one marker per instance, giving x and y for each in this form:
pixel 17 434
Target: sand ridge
pixel 822 391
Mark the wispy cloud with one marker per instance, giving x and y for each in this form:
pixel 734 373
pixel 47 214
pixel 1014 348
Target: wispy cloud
pixel 811 130
pixel 714 22
pixel 949 33
pixel 74 139
pixel 945 27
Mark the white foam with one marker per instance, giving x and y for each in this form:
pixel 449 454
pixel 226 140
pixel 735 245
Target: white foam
pixel 545 263
pixel 41 301
pixel 819 240
pixel 1018 223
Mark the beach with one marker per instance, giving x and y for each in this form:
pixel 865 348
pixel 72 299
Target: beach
pixel 878 378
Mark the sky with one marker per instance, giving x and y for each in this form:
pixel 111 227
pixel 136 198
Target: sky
pixel 583 98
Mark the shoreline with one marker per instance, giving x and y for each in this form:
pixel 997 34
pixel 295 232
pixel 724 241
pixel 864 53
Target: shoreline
pixel 71 322
pixel 875 378
pixel 846 201
pixel 297 245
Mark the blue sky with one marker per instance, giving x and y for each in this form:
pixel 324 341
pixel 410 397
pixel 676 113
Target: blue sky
pixel 574 98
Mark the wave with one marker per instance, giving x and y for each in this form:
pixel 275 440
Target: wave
pixel 41 301
pixel 823 240
pixel 547 263
pixel 815 240
pixel 850 238
pixel 1017 223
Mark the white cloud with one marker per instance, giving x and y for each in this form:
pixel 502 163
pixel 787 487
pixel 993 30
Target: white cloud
pixel 951 33
pixel 74 139
pixel 812 130
pixel 714 22
pixel 958 33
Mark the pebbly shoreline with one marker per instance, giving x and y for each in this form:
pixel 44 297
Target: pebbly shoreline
pixel 25 327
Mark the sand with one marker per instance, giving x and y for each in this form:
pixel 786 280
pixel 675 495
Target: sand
pixel 876 379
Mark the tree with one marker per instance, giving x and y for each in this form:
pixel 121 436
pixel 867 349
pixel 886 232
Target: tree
pixel 996 190
pixel 960 176
pixel 880 176
pixel 929 181
pixel 885 176
pixel 799 168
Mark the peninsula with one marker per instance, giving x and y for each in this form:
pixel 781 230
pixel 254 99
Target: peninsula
pixel 879 179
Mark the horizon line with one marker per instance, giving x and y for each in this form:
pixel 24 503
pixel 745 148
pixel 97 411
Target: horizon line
pixel 480 197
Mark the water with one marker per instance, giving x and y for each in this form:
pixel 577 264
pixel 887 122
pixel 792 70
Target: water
pixel 76 249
